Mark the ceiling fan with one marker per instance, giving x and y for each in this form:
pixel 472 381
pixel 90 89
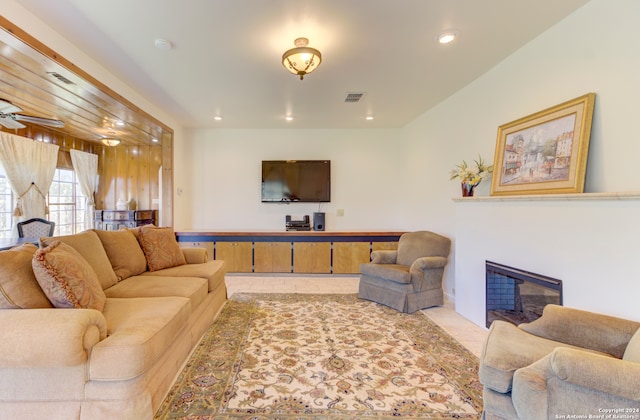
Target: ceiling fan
pixel 9 118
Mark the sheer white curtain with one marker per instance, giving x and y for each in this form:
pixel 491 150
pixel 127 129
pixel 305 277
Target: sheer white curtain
pixel 86 168
pixel 30 166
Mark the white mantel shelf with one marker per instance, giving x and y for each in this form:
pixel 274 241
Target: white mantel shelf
pixel 630 195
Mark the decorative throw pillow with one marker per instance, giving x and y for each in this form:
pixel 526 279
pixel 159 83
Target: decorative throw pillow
pixel 89 246
pixel 66 278
pixel 124 252
pixel 160 248
pixel 19 288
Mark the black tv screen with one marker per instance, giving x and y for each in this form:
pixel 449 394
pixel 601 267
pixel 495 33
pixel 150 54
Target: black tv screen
pixel 286 181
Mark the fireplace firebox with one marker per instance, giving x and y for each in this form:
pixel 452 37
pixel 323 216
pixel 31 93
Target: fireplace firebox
pixel 518 296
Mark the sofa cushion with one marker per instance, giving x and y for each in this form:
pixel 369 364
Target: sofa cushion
pixel 19 288
pixel 124 252
pixel 139 330
pixel 193 288
pixel 160 248
pixel 508 348
pixel 89 246
pixel 394 272
pixel 632 352
pixel 66 278
pixel 213 271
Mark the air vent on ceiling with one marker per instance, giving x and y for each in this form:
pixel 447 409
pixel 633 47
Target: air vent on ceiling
pixel 354 97
pixel 60 77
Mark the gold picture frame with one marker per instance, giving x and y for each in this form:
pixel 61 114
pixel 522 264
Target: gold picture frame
pixel 546 152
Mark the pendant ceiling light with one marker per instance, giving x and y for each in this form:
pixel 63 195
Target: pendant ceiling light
pixel 109 141
pixel 301 60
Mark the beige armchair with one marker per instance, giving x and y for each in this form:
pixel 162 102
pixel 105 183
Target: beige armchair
pixel 567 363
pixel 410 278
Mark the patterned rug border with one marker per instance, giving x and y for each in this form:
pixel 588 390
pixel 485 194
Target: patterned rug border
pixel 222 337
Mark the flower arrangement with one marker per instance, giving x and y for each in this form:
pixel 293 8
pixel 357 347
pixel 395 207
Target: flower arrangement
pixel 471 176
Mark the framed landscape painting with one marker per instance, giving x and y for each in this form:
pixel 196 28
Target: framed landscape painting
pixel 546 152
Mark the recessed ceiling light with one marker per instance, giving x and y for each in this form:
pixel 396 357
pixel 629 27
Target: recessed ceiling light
pixel 447 37
pixel 120 123
pixel 162 44
pixel 288 118
pixel 217 118
pixel 369 118
pixel 155 140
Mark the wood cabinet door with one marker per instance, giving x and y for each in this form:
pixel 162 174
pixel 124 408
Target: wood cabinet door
pixel 376 246
pixel 238 256
pixel 312 257
pixel 347 256
pixel 272 257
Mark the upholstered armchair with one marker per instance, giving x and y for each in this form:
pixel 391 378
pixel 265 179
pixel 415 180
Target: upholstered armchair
pixel 567 363
pixel 35 228
pixel 410 278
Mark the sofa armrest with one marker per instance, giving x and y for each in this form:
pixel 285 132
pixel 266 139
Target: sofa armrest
pixel 49 337
pixel 597 372
pixel 195 255
pixel 425 263
pixel 583 329
pixel 384 256
pixel 574 381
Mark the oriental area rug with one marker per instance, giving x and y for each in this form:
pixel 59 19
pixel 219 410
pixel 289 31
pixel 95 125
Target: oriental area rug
pixel 301 356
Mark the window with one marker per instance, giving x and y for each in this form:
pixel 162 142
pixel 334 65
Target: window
pixel 6 206
pixel 66 203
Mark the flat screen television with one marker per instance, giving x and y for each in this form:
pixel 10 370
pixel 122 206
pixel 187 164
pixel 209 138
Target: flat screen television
pixel 296 181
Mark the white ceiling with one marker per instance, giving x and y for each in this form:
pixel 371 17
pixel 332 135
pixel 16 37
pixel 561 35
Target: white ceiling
pixel 226 54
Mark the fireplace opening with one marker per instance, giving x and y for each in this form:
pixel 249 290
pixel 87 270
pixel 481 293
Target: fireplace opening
pixel 518 296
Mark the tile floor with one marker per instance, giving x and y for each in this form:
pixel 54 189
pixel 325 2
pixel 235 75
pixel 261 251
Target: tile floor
pixel 466 332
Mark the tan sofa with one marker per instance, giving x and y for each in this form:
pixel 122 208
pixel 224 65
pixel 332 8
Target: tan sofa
pixel 566 364
pixel 115 363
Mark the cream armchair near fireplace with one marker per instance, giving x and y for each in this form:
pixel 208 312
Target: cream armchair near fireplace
pixel 567 362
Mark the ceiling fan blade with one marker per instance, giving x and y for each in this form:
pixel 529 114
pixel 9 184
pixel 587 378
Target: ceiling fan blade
pixel 48 122
pixel 8 122
pixel 7 107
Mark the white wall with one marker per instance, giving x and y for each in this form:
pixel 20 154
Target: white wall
pixel 590 245
pixel 587 244
pixel 366 179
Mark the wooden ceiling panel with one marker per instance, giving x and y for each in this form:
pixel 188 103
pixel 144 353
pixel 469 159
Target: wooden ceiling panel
pixel 34 78
pixel 45 101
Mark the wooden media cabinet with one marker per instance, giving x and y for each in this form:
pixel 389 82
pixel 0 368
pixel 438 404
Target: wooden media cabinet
pixel 302 252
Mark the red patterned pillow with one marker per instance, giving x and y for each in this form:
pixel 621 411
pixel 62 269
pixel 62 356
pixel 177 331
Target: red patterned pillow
pixel 160 248
pixel 67 278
